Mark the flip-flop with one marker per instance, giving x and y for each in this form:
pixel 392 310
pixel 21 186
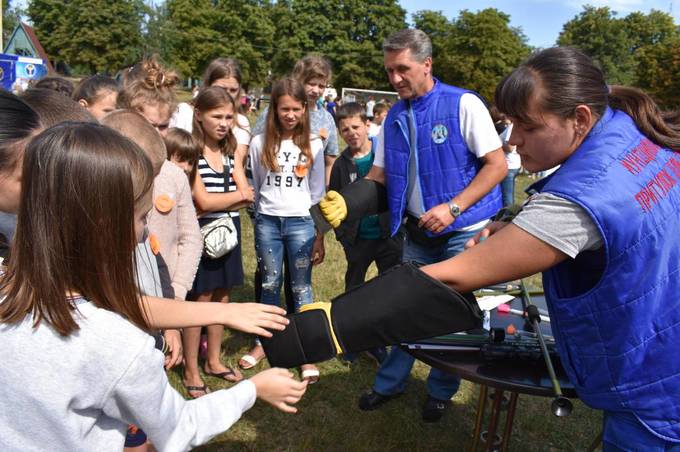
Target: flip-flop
pixel 250 359
pixel 311 375
pixel 225 375
pixel 205 389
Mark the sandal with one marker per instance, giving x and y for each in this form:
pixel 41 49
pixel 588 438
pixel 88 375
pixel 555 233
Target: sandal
pixel 228 375
pixel 311 375
pixel 250 361
pixel 204 389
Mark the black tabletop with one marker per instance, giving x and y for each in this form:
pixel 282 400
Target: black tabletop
pixel 525 376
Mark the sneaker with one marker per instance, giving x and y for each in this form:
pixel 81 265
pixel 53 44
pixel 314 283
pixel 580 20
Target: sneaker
pixel 434 409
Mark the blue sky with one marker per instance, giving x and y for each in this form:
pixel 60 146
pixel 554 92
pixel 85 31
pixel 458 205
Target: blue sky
pixel 540 20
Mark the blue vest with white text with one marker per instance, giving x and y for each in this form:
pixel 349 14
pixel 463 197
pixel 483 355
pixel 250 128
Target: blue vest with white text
pixel 615 312
pixel 445 164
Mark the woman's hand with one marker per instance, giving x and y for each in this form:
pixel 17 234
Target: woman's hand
pixel 278 388
pixel 254 318
pixel 318 250
pixel 173 340
pixel 485 233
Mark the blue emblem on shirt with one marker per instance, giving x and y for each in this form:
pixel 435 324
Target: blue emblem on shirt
pixel 439 133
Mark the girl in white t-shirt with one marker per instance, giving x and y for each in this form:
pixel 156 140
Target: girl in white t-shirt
pixel 287 167
pixel 84 188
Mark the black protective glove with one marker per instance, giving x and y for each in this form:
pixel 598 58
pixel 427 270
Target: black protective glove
pixel 402 304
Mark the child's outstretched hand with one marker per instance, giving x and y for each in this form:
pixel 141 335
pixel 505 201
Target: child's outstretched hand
pixel 278 388
pixel 254 318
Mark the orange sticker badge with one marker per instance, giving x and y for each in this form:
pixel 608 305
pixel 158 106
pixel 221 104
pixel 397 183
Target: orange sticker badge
pixel 155 244
pixel 301 168
pixel 164 203
pixel 323 133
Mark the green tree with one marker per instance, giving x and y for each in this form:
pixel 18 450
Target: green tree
pixel 649 29
pixel 160 34
pixel 99 35
pixel 437 27
pixel 479 50
pixel 657 72
pixel 349 33
pixel 248 35
pixel 598 32
pixel 11 15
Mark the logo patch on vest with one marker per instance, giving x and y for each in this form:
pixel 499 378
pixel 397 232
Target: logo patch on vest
pixel 440 133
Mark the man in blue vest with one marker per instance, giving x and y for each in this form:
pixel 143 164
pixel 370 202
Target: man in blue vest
pixel 439 161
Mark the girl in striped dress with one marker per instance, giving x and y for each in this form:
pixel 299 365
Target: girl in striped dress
pixel 213 120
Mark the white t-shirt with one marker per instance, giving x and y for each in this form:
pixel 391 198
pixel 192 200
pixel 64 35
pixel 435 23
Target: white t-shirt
pixel 374 129
pixel 283 193
pixel 184 119
pixel 479 133
pixel 369 108
pixel 512 158
pixel 84 390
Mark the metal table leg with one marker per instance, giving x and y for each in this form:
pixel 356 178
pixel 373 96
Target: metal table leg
pixel 491 440
pixel 481 407
pixel 509 418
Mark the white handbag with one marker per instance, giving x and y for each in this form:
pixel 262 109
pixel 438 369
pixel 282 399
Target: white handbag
pixel 220 236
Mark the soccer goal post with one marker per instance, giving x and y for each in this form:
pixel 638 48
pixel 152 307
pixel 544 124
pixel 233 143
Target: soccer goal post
pixel 362 96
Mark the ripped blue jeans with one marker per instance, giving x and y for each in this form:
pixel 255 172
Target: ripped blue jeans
pixel 295 235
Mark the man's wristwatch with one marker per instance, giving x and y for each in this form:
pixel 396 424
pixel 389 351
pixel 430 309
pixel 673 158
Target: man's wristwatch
pixel 454 209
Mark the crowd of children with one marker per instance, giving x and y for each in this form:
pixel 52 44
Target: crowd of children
pixel 118 207
pixel 120 161
pixel 176 167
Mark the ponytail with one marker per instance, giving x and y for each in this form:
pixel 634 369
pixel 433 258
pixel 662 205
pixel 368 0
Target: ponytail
pixel 663 128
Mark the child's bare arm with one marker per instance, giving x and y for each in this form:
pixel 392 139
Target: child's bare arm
pixel 254 318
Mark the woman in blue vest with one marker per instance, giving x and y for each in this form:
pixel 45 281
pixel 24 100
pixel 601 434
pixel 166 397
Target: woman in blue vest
pixel 603 229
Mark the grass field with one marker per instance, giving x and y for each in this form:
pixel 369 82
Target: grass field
pixel 328 417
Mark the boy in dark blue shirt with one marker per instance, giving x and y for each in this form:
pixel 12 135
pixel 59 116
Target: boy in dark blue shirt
pixel 367 240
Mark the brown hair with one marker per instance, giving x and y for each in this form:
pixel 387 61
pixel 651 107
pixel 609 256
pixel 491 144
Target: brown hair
pixel 181 144
pixel 93 88
pixel 311 67
pixel 209 99
pixel 148 83
pixel 57 84
pixel 81 185
pixel 53 107
pixel 134 126
pixel 565 78
pixel 379 108
pixel 350 110
pixel 272 137
pixel 18 122
pixel 222 68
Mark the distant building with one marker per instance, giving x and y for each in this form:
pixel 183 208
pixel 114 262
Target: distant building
pixel 24 42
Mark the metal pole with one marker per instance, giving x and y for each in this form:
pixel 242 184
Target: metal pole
pixel 2 44
pixel 560 405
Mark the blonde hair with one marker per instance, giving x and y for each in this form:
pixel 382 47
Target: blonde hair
pixel 148 83
pixel 134 126
pixel 311 67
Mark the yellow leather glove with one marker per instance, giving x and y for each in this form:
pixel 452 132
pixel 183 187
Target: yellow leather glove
pixel 333 208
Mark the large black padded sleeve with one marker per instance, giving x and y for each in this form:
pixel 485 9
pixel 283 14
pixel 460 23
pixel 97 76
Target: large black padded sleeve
pixel 403 304
pixel 364 197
